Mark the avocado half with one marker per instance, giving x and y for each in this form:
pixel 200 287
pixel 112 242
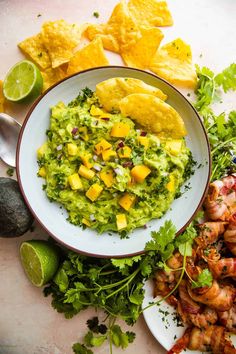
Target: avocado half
pixel 15 217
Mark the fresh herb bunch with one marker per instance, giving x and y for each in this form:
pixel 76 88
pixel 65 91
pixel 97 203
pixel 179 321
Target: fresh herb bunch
pixel 221 129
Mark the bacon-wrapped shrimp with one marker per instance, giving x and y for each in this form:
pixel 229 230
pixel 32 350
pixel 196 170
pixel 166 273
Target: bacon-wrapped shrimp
pixel 210 232
pixel 220 201
pixel 225 267
pixel 228 319
pixel 230 235
pixel 219 297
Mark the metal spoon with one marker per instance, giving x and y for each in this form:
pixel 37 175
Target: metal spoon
pixel 9 132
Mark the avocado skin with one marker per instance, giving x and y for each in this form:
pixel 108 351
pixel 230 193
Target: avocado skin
pixel 15 217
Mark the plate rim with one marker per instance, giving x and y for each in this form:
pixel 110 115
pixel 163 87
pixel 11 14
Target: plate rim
pixel 27 117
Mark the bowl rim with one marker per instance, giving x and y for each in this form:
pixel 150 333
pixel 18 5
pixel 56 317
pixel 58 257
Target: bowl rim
pixel 28 114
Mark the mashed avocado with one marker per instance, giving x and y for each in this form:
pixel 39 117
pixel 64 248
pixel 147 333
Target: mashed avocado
pixel 109 174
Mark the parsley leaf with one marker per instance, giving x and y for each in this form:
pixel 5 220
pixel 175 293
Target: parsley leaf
pixel 81 349
pixel 227 78
pixel 204 279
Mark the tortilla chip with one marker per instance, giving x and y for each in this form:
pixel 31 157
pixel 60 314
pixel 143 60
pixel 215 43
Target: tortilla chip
pixel 141 53
pixel 110 92
pixel 34 48
pixel 60 38
pixel 2 98
pixel 119 32
pixel 173 62
pixel 90 56
pixel 52 76
pixel 154 115
pixel 150 12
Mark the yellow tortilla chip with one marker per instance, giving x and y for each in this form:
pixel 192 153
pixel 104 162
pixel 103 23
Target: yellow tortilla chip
pixel 52 76
pixel 110 92
pixel 141 53
pixel 2 98
pixel 119 32
pixel 154 115
pixel 173 62
pixel 90 56
pixel 60 38
pixel 34 48
pixel 150 12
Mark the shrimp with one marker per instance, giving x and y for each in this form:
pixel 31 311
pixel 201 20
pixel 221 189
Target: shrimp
pixel 217 297
pixel 164 282
pixel 181 344
pixel 203 320
pixel 230 235
pixel 225 267
pixel 210 232
pixel 228 319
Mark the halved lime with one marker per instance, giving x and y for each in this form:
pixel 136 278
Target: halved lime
pixel 23 82
pixel 40 261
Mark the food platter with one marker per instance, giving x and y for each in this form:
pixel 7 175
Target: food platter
pixel 54 219
pixel 163 322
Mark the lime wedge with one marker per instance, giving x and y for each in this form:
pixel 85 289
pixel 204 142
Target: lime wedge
pixel 23 82
pixel 40 261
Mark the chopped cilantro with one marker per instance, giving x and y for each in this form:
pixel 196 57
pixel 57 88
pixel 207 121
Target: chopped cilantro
pixel 96 14
pixel 10 171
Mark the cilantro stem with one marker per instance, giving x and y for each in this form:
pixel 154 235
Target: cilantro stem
pixel 176 286
pixel 222 144
pixel 133 275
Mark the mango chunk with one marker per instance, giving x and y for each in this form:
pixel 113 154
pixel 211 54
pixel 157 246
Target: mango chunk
pixel 102 146
pixel 174 146
pixel 96 111
pixel 107 177
pixel 72 149
pixel 42 172
pixel 127 201
pixel 171 184
pixel 94 191
pixel 120 130
pixel 108 154
pixel 42 149
pixel 124 152
pixel 144 140
pixel 75 182
pixel 121 221
pixel 86 172
pixel 87 160
pixel 139 173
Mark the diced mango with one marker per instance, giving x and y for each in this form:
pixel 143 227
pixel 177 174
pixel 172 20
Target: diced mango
pixel 140 172
pixel 107 177
pixel 41 151
pixel 171 184
pixel 95 111
pixel 174 146
pixel 83 131
pixel 108 154
pixel 75 181
pixel 102 146
pixel 87 160
pixel 86 222
pixel 124 152
pixel 120 130
pixel 86 172
pixel 143 140
pixel 121 221
pixel 42 172
pixel 127 201
pixel 72 149
pixel 94 191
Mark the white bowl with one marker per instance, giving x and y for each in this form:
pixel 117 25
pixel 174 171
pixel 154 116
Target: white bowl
pixel 54 219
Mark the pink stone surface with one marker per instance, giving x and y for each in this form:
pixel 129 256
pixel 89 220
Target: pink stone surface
pixel 28 324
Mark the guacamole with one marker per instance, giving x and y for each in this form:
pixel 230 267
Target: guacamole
pixel 107 172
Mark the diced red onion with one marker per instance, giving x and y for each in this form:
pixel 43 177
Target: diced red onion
pixel 95 157
pixel 143 133
pixel 145 226
pixel 76 137
pixel 91 217
pixel 121 144
pixel 59 147
pixel 74 130
pixel 105 118
pixel 97 167
pixel 127 164
pixel 118 171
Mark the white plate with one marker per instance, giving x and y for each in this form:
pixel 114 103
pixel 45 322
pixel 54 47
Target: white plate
pixel 162 323
pixel 53 218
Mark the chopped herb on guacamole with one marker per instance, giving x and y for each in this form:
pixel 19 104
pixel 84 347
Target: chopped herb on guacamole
pixel 109 174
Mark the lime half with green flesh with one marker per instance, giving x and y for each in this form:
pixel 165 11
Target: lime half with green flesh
pixel 40 261
pixel 23 83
